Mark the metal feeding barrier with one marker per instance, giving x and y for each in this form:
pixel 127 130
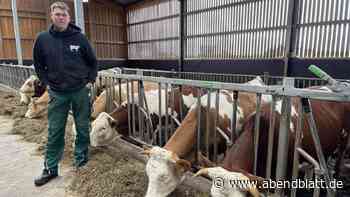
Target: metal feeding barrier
pixel 144 128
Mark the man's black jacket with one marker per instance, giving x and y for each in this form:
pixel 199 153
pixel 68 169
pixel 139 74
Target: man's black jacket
pixel 64 60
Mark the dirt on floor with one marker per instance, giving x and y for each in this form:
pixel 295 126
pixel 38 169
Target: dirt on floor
pixel 104 175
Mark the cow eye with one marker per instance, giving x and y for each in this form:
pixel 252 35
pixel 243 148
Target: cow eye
pixel 162 177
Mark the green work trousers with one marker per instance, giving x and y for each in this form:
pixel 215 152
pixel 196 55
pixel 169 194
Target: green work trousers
pixel 59 106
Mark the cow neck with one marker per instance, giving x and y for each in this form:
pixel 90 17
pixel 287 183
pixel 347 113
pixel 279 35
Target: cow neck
pixel 240 156
pixel 183 140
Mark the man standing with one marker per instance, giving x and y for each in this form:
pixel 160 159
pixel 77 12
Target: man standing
pixel 66 63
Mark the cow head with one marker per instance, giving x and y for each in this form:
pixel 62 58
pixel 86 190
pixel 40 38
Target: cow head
pixel 256 81
pixel 102 132
pixel 99 105
pixel 190 94
pixel 27 89
pixel 28 85
pixel 36 109
pixel 24 99
pixel 227 183
pixel 39 88
pixel 165 171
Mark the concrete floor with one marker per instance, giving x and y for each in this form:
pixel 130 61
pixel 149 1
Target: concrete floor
pixel 19 166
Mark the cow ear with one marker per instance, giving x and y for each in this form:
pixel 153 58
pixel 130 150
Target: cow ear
pixel 33 100
pixel 146 151
pixel 182 165
pixel 115 104
pixel 36 82
pixel 112 122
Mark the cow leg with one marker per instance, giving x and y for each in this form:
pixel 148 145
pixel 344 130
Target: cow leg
pixel 81 113
pixel 57 116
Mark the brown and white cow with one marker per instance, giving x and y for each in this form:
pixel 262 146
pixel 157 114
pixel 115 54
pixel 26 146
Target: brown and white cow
pixel 99 104
pixel 189 96
pixel 106 124
pixel 31 88
pixel 38 107
pixel 331 120
pixel 183 140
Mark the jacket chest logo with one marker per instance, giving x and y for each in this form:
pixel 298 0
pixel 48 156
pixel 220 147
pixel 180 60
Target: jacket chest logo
pixel 74 48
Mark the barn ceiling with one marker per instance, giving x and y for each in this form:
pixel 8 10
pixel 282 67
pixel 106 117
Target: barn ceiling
pixel 126 2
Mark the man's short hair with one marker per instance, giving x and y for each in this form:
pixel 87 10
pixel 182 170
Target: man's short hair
pixel 59 4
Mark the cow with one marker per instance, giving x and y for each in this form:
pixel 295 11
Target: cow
pixel 38 107
pixel 32 87
pixel 189 96
pixel 183 140
pixel 99 104
pixel 105 124
pixel 330 118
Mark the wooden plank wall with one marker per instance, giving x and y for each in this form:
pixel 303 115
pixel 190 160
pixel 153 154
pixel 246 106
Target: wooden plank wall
pixel 105 26
pixel 32 19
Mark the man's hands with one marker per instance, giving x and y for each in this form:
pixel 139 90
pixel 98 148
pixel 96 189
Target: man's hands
pixel 89 85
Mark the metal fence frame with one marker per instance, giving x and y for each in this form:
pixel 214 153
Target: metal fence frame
pixel 14 75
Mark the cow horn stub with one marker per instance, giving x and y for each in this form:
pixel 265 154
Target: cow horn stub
pixel 146 151
pixel 203 171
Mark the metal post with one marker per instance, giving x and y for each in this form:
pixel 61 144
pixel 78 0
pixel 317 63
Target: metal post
pixel 314 133
pixel 283 137
pixel 290 37
pixel 272 124
pixel 198 141
pixel 297 144
pixel 234 133
pixel 17 34
pixel 256 131
pixel 166 112
pixel 208 116
pixel 182 27
pixel 128 105
pixel 79 14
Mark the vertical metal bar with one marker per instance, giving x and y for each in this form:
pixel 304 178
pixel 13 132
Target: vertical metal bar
pixel 140 106
pixel 17 32
pixel 166 112
pixel 216 122
pixel 207 133
pixel 234 132
pixel 314 133
pixel 120 91
pixel 182 38
pixel 128 105
pixel 256 131
pixel 290 37
pixel 283 137
pixel 133 113
pixel 272 124
pixel 160 113
pixel 181 104
pixel 79 14
pixel 108 95
pixel 198 144
pixel 297 145
pixel 172 127
pixel 113 97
